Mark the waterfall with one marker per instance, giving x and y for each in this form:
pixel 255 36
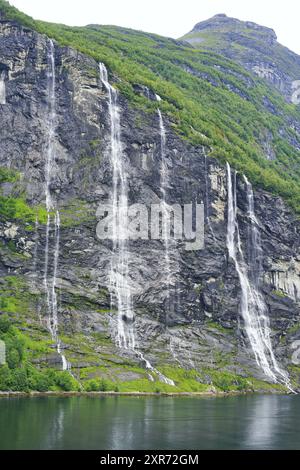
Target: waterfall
pixel 254 241
pixel 253 307
pixel 36 241
pixel 164 183
pixel 119 285
pixel 50 285
pixel 2 88
pixel 207 204
pixel 161 376
pixel 51 124
pixel 120 288
pixel 53 324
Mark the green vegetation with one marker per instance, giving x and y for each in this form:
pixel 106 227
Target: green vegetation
pixel 76 213
pixel 15 207
pixel 218 105
pixel 259 385
pixel 226 381
pixel 219 39
pixel 14 296
pixel 294 329
pixel 209 101
pixel 7 175
pixel 217 326
pixel 109 374
pixel 279 293
pixel 294 372
pixel 18 374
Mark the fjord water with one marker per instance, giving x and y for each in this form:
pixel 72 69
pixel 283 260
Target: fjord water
pixel 243 422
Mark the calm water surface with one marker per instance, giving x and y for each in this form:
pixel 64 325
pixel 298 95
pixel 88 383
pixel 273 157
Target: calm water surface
pixel 246 422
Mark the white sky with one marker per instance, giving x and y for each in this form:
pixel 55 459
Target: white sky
pixel 171 18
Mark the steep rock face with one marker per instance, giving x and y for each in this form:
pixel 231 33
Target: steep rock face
pixel 198 326
pixel 255 47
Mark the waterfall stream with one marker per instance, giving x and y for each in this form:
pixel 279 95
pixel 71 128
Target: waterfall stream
pixel 2 88
pixel 253 307
pixel 120 288
pixel 164 183
pixel 161 376
pixel 50 285
pixel 207 203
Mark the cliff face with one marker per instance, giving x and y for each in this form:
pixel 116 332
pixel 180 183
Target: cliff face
pixel 189 325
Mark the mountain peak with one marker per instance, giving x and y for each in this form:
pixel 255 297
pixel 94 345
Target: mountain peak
pixel 220 15
pixel 221 23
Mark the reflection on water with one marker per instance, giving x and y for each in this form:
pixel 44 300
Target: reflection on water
pixel 262 423
pixel 270 421
pixel 55 431
pixel 246 422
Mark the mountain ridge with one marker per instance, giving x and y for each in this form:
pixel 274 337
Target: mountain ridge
pixel 253 46
pixel 222 22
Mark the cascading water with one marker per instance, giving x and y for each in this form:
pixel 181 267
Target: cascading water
pixel 50 285
pixel 207 204
pixel 254 242
pixel 2 88
pixel 149 366
pixel 36 241
pixel 253 308
pixel 119 275
pixel 164 183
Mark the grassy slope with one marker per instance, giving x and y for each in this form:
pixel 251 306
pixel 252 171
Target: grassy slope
pixel 247 42
pixel 204 113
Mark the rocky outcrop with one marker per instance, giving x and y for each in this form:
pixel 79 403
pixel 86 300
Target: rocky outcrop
pixel 198 325
pixel 224 23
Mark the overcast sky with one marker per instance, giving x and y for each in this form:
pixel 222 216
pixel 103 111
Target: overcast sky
pixel 171 18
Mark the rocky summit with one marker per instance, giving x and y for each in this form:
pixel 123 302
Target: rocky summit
pixel 100 113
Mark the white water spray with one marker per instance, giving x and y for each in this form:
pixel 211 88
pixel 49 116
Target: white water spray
pixel 120 288
pixel 50 285
pixel 254 241
pixel 53 320
pixel 207 204
pixel 161 376
pixel 253 308
pixel 2 88
pixel 36 241
pixel 164 184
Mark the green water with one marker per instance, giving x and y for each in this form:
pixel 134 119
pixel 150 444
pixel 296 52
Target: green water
pixel 246 422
